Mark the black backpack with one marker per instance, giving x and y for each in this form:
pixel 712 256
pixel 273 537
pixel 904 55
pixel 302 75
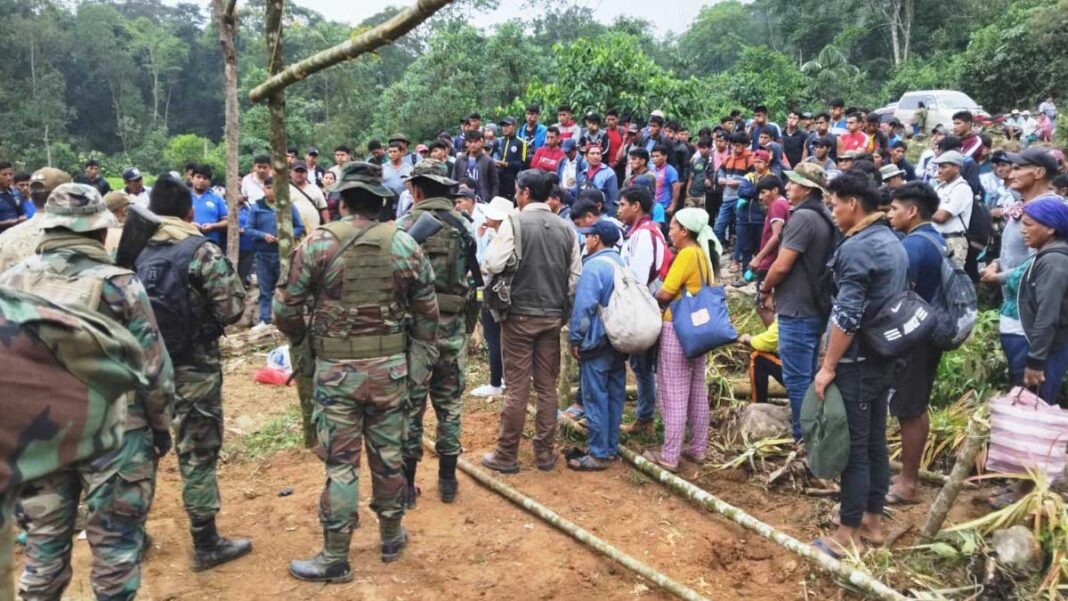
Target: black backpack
pixel 980 228
pixel 164 270
pixel 823 283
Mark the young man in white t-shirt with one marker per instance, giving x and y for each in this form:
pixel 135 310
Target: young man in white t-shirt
pixel 252 185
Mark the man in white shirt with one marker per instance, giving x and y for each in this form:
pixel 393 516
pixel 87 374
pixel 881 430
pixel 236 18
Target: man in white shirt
pixel 955 206
pixel 135 187
pixel 644 251
pixel 307 197
pixel 253 187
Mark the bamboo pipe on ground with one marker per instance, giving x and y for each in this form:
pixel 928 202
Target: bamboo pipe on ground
pixel 576 532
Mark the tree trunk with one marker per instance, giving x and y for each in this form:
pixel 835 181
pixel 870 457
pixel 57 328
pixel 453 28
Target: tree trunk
pixel 367 41
pixel 961 469
pixel 908 12
pixel 276 105
pixel 226 24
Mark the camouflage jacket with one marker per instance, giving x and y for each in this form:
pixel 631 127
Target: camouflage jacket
pixel 122 298
pixel 446 251
pixel 216 292
pixel 314 278
pixel 65 375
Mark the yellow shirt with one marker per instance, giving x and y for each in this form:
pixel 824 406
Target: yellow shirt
pixel 690 269
pixel 768 340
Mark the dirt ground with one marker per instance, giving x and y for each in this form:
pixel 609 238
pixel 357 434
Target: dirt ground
pixel 482 546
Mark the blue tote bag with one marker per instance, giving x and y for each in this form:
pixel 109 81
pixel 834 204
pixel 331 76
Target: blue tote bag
pixel 701 320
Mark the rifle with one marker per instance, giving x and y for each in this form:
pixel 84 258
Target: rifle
pixel 141 224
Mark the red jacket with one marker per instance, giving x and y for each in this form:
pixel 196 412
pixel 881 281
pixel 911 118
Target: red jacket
pixel 547 159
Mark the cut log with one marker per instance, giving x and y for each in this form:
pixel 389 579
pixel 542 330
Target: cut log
pixel 977 434
pixel 575 531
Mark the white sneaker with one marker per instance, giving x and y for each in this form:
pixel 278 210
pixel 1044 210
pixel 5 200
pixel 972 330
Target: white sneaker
pixel 486 391
pixel 256 329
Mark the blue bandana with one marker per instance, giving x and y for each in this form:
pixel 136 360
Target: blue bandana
pixel 1050 212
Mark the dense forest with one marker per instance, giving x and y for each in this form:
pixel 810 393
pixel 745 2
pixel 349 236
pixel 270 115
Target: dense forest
pixel 141 82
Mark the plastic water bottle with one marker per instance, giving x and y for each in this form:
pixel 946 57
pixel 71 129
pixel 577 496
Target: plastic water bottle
pixel 749 275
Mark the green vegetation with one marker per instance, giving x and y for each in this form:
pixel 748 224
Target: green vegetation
pixel 281 433
pixel 140 82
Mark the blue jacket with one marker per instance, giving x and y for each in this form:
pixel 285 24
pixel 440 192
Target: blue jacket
pixel 261 221
pixel 242 222
pixel 539 136
pixel 604 180
pixel 594 288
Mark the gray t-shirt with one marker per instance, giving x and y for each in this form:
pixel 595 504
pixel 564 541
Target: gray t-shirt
pixel 811 236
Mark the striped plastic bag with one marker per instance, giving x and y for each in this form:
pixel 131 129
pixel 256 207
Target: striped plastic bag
pixel 1026 432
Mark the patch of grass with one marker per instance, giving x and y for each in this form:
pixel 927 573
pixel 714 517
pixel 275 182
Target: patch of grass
pixel 279 434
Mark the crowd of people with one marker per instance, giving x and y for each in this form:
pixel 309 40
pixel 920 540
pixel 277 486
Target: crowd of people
pixel 524 229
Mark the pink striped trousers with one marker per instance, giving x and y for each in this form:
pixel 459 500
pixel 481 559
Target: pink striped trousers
pixel 683 397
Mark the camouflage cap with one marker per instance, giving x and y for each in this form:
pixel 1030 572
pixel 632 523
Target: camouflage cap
pixel 77 207
pixel 434 170
pixel 358 174
pixel 47 179
pixel 809 175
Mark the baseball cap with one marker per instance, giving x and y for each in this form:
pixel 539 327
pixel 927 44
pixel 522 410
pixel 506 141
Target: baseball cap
pixel 298 166
pixel 823 141
pixel 422 148
pixel 399 138
pixel 47 179
pixel 507 121
pixel 568 144
pixel 464 191
pixel 950 156
pixel 77 207
pixel 1015 111
pixel 607 231
pixel 657 113
pixel 826 432
pixel 1039 157
pixel 809 175
pixel 131 175
pixel 999 156
pixel 763 155
pixel 116 199
pixel 434 170
pixel 633 128
pixel 313 151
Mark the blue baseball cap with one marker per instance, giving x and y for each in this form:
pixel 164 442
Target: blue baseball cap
pixel 607 231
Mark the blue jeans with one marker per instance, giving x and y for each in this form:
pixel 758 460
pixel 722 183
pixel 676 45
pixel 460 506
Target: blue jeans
pixel 725 218
pixel 642 366
pixel 799 350
pixel 268 266
pixel 1016 348
pixel 604 386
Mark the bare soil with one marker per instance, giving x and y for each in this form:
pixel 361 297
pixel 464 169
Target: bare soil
pixel 481 547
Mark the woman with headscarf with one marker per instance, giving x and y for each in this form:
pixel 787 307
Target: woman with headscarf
pixel 1043 299
pixel 681 381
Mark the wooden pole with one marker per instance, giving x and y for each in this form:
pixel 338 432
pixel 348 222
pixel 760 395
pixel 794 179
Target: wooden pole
pixel 575 531
pixel 368 41
pixel 961 469
pixel 276 106
pixel 857 578
pixel 226 26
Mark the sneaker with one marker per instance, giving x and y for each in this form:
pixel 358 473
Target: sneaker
pixel 256 329
pixel 487 390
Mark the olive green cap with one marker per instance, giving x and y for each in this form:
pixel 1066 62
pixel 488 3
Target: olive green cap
pixel 358 174
pixel 77 207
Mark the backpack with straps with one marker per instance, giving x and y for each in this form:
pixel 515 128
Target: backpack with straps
pixel 955 303
pixel 657 273
pixel 164 270
pixel 980 228
pixel 822 284
pixel 632 317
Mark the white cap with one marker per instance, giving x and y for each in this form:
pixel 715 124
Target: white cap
pixel 498 209
pixel 657 113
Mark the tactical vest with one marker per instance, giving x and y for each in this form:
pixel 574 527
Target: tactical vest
pixel 366 281
pixel 447 255
pixel 72 287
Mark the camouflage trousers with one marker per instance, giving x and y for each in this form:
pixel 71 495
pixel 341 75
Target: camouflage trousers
pixel 446 388
pixel 198 431
pixel 118 489
pixel 360 402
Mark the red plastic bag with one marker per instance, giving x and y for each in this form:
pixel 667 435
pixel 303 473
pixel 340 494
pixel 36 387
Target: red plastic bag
pixel 272 376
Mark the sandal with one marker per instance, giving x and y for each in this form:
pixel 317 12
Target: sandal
pixel 654 457
pixel 575 412
pixel 825 547
pixel 694 458
pixel 586 463
pixel 892 498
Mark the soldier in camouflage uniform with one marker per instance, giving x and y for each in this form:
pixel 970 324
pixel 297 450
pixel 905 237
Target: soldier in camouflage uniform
pixel 373 332
pixel 447 251
pixel 66 377
pixel 20 242
pixel 74 269
pixel 215 297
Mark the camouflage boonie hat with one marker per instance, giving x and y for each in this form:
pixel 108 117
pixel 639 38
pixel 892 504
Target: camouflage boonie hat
pixel 809 175
pixel 47 179
pixel 434 170
pixel 77 207
pixel 358 174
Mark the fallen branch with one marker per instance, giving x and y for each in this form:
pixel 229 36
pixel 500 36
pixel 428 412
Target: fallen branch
pixel 896 534
pixel 574 531
pixel 856 578
pixel 368 41
pixel 961 470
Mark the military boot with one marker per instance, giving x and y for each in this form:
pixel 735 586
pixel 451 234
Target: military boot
pixel 411 491
pixel 447 483
pixel 210 549
pixel 394 538
pixel 329 565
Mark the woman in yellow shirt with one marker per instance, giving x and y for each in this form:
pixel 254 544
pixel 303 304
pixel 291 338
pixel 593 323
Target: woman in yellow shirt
pixel 680 382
